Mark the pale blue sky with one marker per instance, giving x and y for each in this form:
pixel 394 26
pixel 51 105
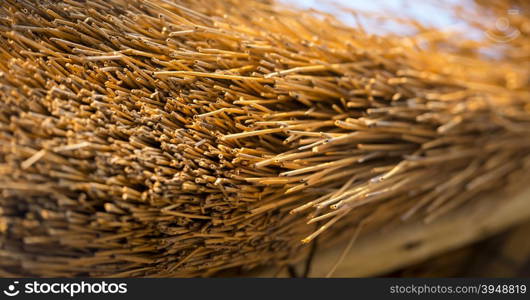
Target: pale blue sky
pixel 435 13
pixel 425 11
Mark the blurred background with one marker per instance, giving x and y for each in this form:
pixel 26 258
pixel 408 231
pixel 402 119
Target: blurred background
pixel 468 20
pixel 429 12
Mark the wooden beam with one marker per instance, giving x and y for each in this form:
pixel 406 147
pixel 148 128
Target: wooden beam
pixel 411 243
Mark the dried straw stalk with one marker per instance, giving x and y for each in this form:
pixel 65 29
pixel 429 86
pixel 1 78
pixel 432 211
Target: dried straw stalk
pixel 180 138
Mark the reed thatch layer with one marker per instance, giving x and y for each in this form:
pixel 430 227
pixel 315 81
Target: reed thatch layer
pixel 179 138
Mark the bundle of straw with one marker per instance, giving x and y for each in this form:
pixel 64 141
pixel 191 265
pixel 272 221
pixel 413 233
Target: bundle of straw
pixel 180 138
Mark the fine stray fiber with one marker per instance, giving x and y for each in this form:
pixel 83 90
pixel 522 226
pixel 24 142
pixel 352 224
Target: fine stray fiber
pixel 180 138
